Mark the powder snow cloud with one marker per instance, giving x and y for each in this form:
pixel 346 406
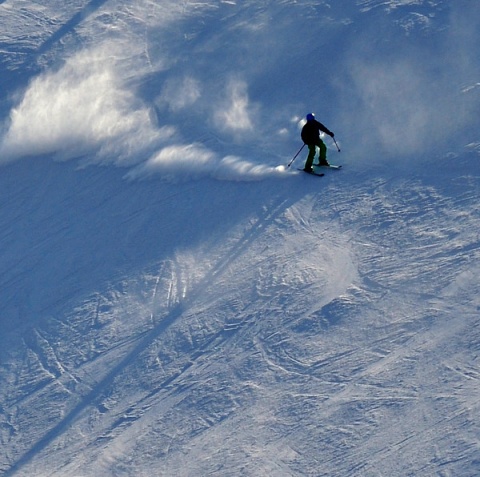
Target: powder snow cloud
pixel 83 107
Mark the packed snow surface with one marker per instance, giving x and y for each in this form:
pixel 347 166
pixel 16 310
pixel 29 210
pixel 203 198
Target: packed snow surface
pixel 176 301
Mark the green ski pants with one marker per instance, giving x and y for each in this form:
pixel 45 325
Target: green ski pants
pixel 312 149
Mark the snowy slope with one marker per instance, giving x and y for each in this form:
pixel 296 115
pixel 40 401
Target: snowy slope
pixel 175 303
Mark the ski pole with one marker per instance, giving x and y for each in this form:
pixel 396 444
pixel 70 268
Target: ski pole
pixel 338 149
pixel 295 156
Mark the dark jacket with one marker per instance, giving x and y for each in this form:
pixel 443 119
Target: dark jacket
pixel 311 131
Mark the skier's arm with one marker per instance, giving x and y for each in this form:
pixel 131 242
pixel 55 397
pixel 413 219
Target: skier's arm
pixel 325 129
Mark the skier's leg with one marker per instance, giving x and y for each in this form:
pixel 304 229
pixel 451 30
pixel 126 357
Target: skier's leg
pixel 311 154
pixel 322 158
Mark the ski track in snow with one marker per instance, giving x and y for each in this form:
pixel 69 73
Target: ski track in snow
pixel 260 350
pixel 196 310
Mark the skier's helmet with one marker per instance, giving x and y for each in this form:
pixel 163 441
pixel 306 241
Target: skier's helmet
pixel 310 117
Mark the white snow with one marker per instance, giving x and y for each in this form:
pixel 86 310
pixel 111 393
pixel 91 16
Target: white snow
pixel 175 301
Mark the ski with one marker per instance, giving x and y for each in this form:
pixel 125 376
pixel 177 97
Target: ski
pixel 331 166
pixel 313 173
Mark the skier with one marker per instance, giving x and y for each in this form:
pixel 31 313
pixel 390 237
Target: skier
pixel 311 137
